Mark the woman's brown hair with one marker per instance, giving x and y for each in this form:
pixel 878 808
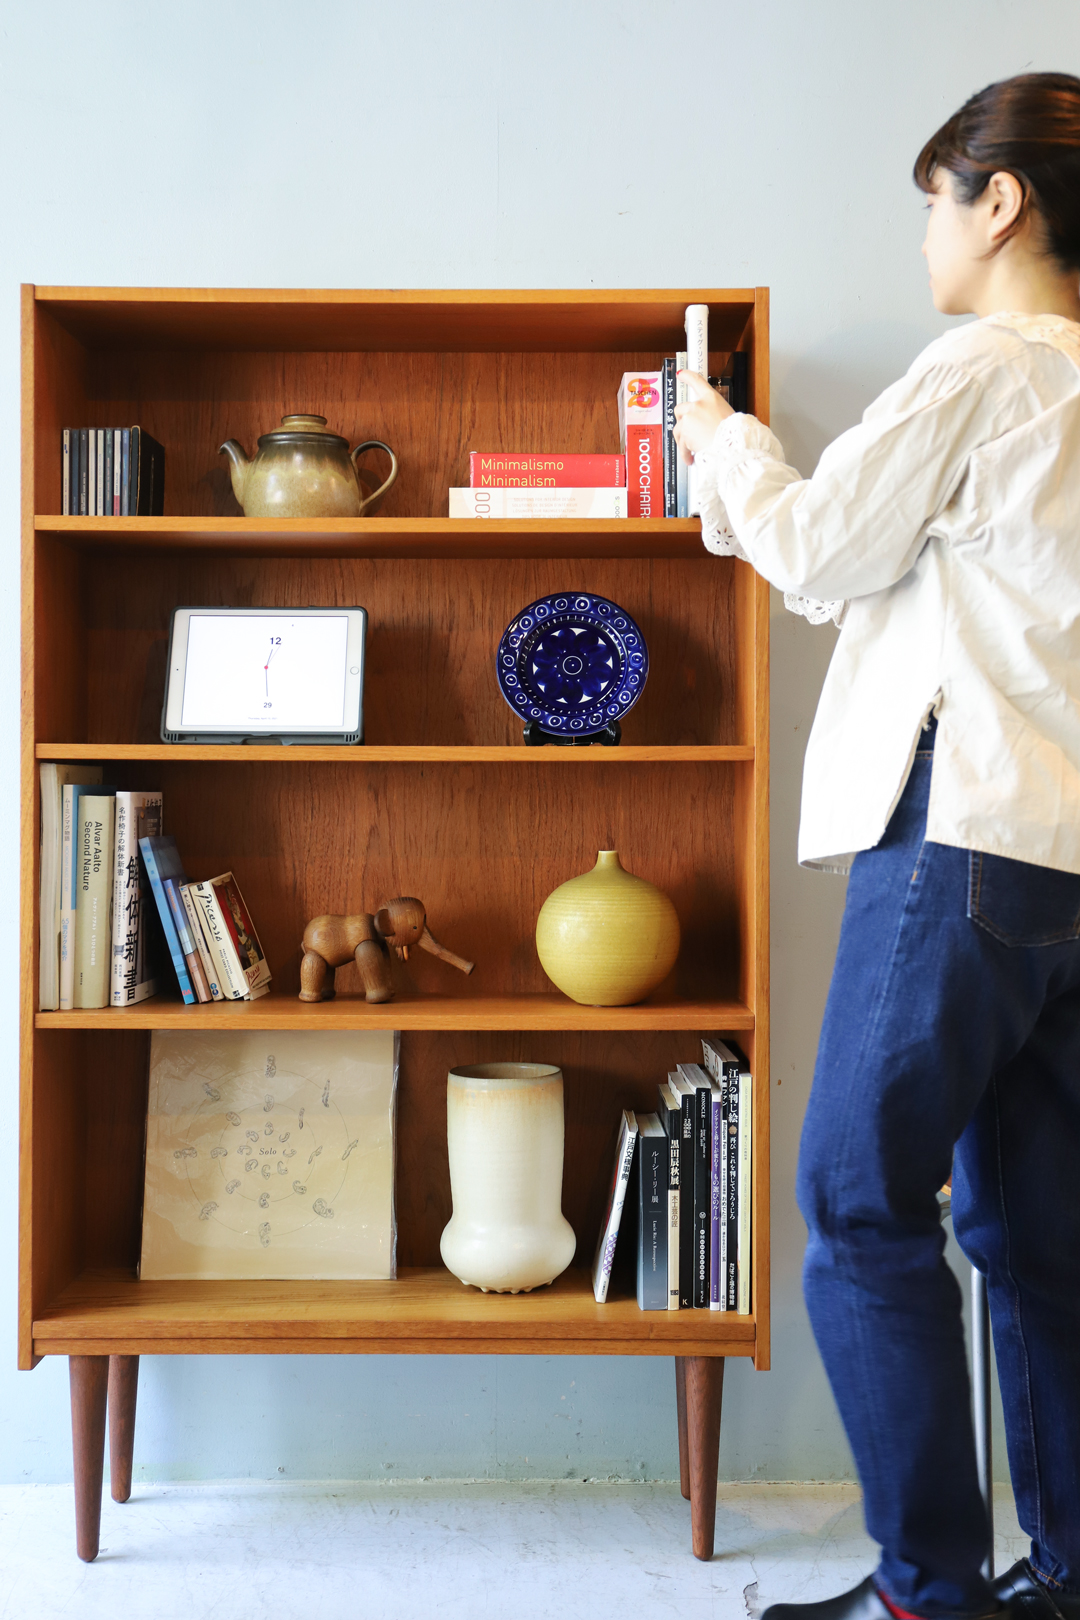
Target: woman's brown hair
pixel 1028 126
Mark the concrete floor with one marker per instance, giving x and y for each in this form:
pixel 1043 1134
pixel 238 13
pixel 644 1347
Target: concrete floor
pixel 247 1551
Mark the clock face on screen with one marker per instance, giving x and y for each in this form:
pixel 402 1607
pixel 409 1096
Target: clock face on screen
pixel 573 663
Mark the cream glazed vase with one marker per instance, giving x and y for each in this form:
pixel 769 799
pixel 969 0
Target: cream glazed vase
pixel 607 938
pixel 504 1130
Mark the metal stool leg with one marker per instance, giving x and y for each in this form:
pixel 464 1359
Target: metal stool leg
pixel 980 1379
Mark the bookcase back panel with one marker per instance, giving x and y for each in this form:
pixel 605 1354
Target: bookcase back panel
pixel 431 408
pixel 432 635
pixel 96 1219
pixel 481 845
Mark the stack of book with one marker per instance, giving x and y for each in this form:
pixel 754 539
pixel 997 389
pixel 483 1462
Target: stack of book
pixel 693 1189
pixel 512 484
pixel 114 900
pixel 111 472
pixel 658 480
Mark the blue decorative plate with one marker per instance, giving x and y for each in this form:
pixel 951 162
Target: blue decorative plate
pixel 573 665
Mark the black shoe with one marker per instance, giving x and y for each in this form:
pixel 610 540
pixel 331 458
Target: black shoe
pixel 865 1603
pixel 1029 1599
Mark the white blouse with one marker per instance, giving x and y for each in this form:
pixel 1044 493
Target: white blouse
pixel 943 534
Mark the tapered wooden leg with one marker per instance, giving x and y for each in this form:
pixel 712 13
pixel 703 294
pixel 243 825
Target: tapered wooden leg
pixel 704 1394
pixel 89 1390
pixel 680 1404
pixel 123 1388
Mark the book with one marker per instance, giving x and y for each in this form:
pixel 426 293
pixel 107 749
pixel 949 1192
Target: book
pixel 702 1156
pixel 195 925
pixel 146 475
pixel 93 906
pixel 231 938
pixel 133 974
pixel 682 395
pixel 687 1095
pixel 671 449
pixel 720 1059
pixel 652 1159
pixel 718 1195
pixel 199 980
pixel 162 860
pixel 115 482
pixel 612 1222
pixel 91 472
pixel 697 359
pixel 671 1119
pixel 499 469
pixel 99 510
pixel 538 503
pixel 69 885
pixel 52 780
pixel 65 473
pixel 125 469
pixel 84 472
pixel 744 1179
pixel 107 483
pixel 641 441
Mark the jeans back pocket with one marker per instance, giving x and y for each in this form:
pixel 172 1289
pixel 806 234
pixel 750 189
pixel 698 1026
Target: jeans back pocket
pixel 1021 904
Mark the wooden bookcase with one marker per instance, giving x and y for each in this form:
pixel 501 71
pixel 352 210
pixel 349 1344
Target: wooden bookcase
pixel 444 801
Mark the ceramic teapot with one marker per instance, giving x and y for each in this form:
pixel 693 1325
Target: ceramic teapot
pixel 302 471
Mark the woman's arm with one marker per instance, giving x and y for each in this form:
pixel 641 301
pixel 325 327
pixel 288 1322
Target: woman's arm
pixel 860 522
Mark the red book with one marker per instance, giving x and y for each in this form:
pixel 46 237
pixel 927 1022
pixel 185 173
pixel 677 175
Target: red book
pixel 509 469
pixel 641 430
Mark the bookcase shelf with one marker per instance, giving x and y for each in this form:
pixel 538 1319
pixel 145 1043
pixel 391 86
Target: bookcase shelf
pixel 410 1011
pixel 409 537
pixel 442 801
pixel 462 754
pixel 425 1312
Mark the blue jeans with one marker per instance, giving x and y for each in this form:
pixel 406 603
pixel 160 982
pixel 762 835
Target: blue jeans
pixel 951 1043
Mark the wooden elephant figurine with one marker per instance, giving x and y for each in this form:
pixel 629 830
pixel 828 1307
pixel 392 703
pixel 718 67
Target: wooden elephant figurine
pixel 329 942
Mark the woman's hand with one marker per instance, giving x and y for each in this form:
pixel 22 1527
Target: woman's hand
pixel 699 418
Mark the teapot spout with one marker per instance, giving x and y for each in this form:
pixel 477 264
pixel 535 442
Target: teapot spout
pixel 238 466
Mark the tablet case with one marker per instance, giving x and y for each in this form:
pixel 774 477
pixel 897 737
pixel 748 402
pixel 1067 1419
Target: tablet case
pixel 345 739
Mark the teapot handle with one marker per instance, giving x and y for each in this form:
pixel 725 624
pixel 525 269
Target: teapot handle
pixel 375 444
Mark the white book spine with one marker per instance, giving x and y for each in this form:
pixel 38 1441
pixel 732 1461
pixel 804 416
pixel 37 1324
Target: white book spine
pixel 697 359
pixel 49 893
pixel 538 503
pixel 93 914
pixel 195 924
pixel 67 901
pixel 129 979
pixel 682 394
pixel 605 1249
pixel 746 1159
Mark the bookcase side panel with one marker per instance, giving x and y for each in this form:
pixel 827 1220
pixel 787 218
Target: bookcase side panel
pixel 434 628
pixel 52 1247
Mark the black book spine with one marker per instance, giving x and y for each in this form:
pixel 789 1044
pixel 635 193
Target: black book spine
pixel 731 1279
pixel 652 1229
pixel 671 449
pixel 133 473
pixel 73 472
pixel 702 1194
pixel 686 1209
pixel 740 381
pixel 84 471
pixel 106 508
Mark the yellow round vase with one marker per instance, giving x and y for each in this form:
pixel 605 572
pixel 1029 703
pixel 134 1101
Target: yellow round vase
pixel 607 938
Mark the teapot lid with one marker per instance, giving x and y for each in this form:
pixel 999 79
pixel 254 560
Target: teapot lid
pixel 302 426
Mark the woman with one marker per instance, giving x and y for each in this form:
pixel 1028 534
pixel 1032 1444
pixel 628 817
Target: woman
pixel 943 769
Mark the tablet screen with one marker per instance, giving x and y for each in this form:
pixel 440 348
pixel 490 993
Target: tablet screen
pixel 274 671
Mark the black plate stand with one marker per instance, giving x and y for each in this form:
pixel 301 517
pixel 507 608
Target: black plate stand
pixel 610 737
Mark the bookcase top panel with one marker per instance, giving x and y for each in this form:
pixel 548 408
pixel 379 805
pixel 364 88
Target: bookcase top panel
pixel 417 320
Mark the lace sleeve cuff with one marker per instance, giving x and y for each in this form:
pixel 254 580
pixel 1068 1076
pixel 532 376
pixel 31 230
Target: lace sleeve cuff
pixel 737 439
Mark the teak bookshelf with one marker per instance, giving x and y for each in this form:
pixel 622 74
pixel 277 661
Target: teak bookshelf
pixel 443 801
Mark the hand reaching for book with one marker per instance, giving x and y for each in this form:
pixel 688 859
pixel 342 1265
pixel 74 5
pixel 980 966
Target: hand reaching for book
pixel 699 418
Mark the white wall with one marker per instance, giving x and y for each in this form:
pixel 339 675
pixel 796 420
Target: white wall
pixel 485 145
